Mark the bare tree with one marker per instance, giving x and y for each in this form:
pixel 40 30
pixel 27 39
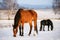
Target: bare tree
pixel 9 5
pixel 56 6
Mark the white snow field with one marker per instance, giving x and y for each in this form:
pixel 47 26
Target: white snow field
pixel 6 28
pixel 7 34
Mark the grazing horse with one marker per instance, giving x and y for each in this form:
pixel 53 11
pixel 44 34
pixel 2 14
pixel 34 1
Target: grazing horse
pixel 24 16
pixel 47 22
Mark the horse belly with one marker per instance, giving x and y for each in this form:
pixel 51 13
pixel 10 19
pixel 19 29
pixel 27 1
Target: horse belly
pixel 25 19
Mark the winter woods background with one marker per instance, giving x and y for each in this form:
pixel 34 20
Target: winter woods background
pixel 8 9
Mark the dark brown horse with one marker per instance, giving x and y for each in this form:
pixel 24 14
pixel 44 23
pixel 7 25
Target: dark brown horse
pixel 47 22
pixel 23 16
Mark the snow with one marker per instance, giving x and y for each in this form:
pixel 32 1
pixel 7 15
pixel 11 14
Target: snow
pixel 7 34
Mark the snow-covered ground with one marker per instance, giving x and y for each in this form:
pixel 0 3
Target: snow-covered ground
pixel 7 34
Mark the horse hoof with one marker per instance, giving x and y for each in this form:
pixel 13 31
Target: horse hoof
pixel 43 30
pixel 14 35
pixel 48 30
pixel 34 34
pixel 40 30
pixel 21 35
pixel 51 29
pixel 28 34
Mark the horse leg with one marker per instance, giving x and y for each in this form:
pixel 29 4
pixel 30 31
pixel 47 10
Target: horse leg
pixel 35 26
pixel 48 27
pixel 43 27
pixel 51 27
pixel 20 29
pixel 30 28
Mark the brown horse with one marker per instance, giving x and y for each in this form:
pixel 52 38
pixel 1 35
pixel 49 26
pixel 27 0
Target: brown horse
pixel 23 16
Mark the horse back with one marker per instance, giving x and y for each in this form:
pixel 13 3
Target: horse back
pixel 26 16
pixel 34 14
pixel 49 21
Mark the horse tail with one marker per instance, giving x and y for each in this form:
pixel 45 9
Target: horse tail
pixel 51 26
pixel 16 19
pixel 50 22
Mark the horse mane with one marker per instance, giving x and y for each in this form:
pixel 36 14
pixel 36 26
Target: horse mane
pixel 17 17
